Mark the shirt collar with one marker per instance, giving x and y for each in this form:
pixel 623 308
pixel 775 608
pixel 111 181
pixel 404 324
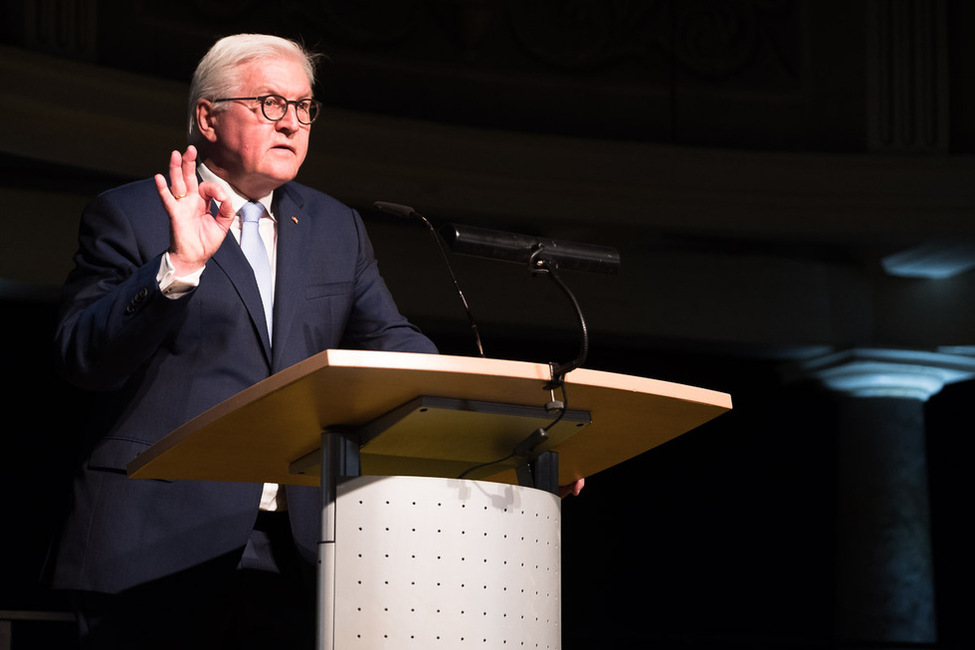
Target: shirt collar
pixel 236 199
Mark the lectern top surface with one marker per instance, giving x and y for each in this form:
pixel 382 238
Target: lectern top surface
pixel 257 434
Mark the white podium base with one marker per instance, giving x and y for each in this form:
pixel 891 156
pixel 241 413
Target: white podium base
pixel 446 563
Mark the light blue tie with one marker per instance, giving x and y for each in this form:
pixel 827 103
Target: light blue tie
pixel 256 253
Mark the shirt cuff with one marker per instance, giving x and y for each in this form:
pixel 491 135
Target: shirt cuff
pixel 174 287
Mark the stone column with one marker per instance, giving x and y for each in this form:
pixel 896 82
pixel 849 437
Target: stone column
pixel 884 571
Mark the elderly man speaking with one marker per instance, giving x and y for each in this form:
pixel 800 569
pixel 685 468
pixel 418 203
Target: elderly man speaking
pixel 186 289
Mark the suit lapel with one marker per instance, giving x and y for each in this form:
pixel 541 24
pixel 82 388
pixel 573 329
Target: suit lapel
pixel 293 244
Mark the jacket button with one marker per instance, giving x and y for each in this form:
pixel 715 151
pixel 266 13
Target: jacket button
pixel 137 300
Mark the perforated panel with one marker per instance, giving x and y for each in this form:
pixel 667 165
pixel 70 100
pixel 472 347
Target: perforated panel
pixel 443 563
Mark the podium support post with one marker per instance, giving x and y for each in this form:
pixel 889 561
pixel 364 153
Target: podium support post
pixel 340 461
pixel 541 472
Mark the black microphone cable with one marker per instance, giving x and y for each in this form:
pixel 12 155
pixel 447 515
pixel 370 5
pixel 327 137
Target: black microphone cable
pixel 409 213
pixel 524 448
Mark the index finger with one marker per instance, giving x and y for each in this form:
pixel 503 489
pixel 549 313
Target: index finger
pixel 165 192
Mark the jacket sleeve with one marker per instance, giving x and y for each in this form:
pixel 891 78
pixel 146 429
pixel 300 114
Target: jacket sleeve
pixel 112 315
pixel 375 322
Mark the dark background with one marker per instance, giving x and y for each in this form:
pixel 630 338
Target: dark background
pixel 754 162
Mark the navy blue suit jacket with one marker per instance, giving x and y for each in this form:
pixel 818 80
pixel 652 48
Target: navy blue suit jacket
pixel 153 363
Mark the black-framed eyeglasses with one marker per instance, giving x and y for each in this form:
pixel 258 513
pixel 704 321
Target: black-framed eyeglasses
pixel 275 107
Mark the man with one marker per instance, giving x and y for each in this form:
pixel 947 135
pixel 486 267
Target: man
pixel 163 317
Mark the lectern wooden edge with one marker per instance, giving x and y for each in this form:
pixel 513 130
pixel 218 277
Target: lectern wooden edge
pixel 317 407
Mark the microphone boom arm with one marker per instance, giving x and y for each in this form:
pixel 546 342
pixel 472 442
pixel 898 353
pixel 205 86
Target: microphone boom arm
pixel 540 264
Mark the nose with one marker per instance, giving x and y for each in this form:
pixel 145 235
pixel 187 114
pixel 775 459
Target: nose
pixel 290 120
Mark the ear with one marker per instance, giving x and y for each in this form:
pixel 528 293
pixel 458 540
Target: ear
pixel 206 119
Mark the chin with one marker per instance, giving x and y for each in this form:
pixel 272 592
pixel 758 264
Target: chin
pixel 282 175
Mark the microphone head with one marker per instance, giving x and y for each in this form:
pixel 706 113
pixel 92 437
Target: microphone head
pixel 514 247
pixel 396 209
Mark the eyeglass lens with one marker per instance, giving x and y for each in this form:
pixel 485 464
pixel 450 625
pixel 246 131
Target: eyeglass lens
pixel 275 107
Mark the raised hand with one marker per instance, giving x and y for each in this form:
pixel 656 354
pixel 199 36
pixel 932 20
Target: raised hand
pixel 195 234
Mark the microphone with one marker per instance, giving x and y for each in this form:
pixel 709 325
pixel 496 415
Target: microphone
pixel 397 210
pixel 511 247
pixel 407 212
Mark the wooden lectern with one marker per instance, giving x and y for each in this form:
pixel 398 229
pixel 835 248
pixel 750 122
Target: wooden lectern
pixel 346 413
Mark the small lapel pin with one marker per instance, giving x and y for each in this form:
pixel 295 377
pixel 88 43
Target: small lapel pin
pixel 295 219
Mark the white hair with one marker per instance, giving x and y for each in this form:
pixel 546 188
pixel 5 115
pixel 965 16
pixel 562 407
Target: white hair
pixel 217 73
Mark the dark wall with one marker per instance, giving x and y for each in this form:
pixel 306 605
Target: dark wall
pixel 44 415
pixel 788 75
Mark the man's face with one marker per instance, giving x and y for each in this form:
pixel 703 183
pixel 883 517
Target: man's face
pixel 252 153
